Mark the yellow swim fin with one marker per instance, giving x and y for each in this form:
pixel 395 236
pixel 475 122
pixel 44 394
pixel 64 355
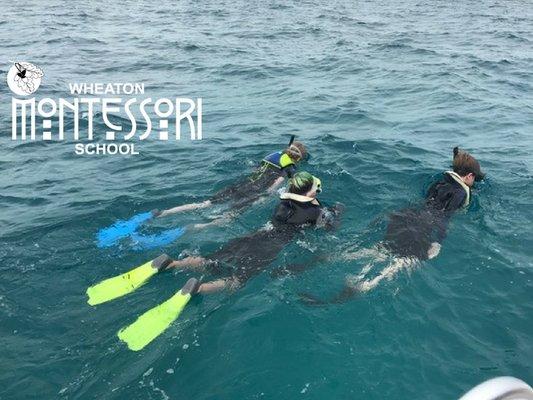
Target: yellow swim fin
pixel 121 285
pixel 155 321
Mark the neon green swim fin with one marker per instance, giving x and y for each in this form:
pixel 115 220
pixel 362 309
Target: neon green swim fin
pixel 155 321
pixel 123 284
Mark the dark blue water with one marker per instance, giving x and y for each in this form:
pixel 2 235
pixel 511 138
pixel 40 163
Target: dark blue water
pixel 380 92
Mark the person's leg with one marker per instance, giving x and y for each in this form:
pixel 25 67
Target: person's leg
pixel 221 220
pixel 206 287
pixel 188 262
pixel 388 273
pixel 185 207
pixel 298 268
pixel 376 253
pixel 218 285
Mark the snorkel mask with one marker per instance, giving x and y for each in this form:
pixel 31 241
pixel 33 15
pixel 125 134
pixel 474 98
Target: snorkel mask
pixel 317 185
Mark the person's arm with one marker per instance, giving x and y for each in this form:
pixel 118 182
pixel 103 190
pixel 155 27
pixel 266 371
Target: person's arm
pixel 298 268
pixel 218 221
pixel 289 171
pixel 347 293
pixel 330 217
pixel 431 193
pixel 183 208
pixel 276 184
pixel 456 201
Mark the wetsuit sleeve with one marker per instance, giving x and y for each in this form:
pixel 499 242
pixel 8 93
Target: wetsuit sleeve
pixel 329 217
pixel 298 268
pixel 445 196
pixel 456 201
pixel 289 171
pixel 342 297
pixel 282 213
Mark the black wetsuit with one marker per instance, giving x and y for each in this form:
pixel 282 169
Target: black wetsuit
pixel 411 231
pixel 250 189
pixel 247 256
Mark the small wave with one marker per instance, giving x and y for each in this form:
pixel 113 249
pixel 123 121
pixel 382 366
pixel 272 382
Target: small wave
pixel 76 40
pixel 244 71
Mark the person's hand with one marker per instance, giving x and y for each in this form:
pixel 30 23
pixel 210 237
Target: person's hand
pixel 434 250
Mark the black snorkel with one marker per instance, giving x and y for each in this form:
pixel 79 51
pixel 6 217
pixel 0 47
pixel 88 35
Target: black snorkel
pixel 291 141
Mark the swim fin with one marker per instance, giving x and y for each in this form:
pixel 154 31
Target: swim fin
pixel 107 237
pixel 144 242
pixel 155 321
pixel 123 284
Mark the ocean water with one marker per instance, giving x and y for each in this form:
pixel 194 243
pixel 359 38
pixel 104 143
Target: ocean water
pixel 380 92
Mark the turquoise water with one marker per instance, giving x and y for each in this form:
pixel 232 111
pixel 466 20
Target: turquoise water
pixel 380 92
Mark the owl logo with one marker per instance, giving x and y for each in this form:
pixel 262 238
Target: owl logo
pixel 24 78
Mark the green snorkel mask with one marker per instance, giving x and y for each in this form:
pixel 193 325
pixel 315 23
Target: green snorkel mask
pixel 317 185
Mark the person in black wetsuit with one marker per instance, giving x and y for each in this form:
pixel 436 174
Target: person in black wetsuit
pixel 418 233
pixel 415 234
pixel 243 258
pixel 271 173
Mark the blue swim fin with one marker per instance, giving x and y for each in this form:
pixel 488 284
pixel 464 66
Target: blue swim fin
pixel 109 236
pixel 144 242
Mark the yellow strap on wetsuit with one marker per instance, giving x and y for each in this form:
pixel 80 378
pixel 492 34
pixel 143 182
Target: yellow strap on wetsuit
pixel 285 160
pixel 153 322
pixel 125 283
pixel 458 179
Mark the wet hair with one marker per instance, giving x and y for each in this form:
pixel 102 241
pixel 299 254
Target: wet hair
pixel 464 164
pixel 301 183
pixel 296 151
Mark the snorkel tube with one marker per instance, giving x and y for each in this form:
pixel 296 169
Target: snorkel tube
pixel 291 141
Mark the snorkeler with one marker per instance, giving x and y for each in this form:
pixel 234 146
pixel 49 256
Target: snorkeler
pixel 416 234
pixel 244 257
pixel 231 266
pixel 247 255
pixel 271 173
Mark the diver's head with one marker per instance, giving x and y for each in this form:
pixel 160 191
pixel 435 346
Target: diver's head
pixel 467 167
pixel 305 184
pixel 296 151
